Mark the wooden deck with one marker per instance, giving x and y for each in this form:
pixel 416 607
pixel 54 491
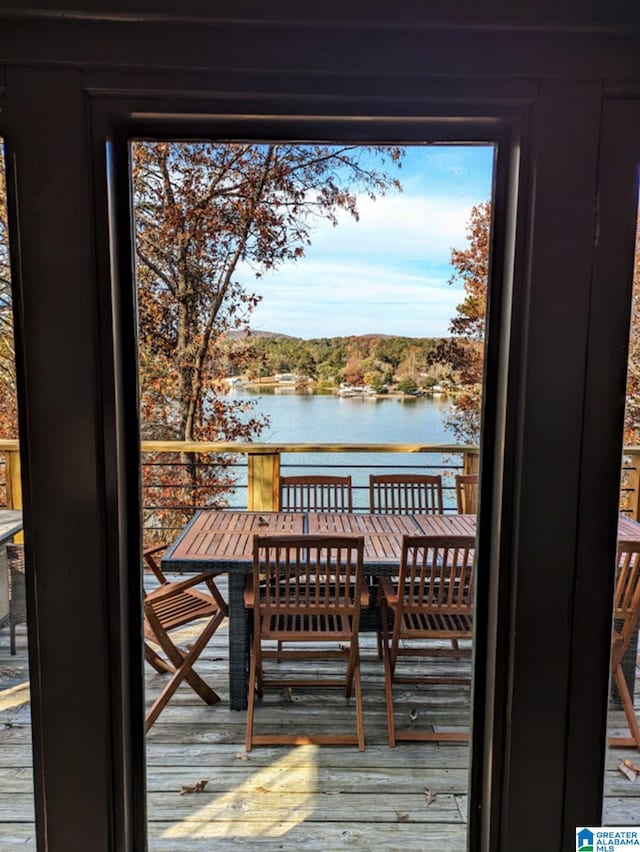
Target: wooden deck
pixel 284 798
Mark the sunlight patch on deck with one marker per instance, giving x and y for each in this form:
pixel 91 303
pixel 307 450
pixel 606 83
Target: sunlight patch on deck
pixel 15 696
pixel 237 805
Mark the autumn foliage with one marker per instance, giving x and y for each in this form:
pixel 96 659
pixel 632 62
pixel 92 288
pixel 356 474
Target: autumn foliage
pixel 8 396
pixel 632 409
pixel 210 219
pixel 465 349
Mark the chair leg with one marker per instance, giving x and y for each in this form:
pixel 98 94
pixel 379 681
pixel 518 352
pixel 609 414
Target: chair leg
pixel 183 671
pixel 388 691
pixel 352 665
pixel 627 704
pixel 156 661
pixel 251 698
pixel 179 659
pixel 12 639
pixel 359 716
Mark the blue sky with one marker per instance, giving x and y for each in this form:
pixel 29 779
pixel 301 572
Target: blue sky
pixel 387 273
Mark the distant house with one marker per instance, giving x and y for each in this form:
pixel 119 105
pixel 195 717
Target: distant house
pixel 285 378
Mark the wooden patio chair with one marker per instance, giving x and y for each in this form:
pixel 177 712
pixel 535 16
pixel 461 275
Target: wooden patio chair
pixel 467 493
pixel 305 590
pixel 433 600
pixel 405 494
pixel 626 613
pixel 17 591
pixel 315 494
pixel 171 606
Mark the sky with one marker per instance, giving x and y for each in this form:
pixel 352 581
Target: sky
pixel 388 273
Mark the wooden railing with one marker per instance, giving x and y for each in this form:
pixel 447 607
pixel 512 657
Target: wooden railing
pixel 264 463
pixel 11 478
pixel 630 483
pixel 264 460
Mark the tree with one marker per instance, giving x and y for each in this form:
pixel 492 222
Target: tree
pixel 206 215
pixel 407 385
pixel 465 350
pixel 8 395
pixel 208 218
pixel 632 409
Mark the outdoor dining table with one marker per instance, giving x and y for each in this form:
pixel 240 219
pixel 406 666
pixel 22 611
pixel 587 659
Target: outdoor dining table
pixel 221 542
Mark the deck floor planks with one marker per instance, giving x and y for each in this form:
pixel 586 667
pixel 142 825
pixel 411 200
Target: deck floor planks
pixel 288 797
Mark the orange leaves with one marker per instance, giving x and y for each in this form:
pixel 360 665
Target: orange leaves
pixel 466 349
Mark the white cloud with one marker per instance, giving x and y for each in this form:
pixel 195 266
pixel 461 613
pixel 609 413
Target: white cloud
pixel 410 227
pixel 387 273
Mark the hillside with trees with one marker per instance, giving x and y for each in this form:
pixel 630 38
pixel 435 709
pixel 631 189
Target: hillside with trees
pixel 380 362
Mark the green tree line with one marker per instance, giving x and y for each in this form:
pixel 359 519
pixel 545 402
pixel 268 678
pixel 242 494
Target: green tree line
pixel 376 360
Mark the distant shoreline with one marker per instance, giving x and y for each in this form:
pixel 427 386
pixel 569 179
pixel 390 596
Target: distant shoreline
pixel 292 390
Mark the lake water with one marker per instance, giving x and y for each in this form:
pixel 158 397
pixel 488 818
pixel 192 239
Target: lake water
pixel 323 418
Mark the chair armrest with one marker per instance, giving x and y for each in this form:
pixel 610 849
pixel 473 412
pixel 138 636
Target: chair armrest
pixel 168 590
pixel 149 551
pixel 386 590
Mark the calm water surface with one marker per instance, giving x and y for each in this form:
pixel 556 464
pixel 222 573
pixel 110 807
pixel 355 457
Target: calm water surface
pixel 331 419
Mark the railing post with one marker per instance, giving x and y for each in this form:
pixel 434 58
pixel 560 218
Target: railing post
pixel 470 461
pixel 13 481
pixel 632 484
pixel 263 481
pixel 13 484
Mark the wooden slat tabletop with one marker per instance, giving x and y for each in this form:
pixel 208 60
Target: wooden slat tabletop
pixel 382 533
pixel 446 524
pixel 228 536
pixel 340 523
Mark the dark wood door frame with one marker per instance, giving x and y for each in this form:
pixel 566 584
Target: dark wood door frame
pixel 77 373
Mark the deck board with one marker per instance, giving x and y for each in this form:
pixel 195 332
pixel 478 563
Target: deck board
pixel 286 797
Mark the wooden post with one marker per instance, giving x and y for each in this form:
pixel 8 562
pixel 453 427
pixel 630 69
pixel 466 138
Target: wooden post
pixel 13 484
pixel 13 480
pixel 631 481
pixel 263 481
pixel 470 461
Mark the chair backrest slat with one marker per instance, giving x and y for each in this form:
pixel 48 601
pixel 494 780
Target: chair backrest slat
pixel 437 574
pixel 405 494
pixel 307 575
pixel 316 494
pixel 467 493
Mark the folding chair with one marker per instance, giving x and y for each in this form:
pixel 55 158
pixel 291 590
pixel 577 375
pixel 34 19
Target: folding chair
pixel 467 493
pixel 170 606
pixel 305 590
pixel 315 494
pixel 405 494
pixel 626 613
pixel 432 601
